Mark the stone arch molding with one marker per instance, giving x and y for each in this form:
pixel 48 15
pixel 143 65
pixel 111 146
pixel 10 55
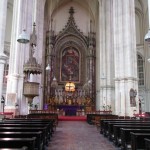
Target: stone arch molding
pixel 71 36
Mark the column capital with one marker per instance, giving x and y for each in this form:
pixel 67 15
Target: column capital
pixel 125 78
pixel 14 76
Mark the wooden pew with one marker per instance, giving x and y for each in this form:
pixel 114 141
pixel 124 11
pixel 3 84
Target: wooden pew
pixel 23 148
pixel 117 131
pixel 147 144
pixel 110 132
pixel 126 136
pixel 137 140
pixel 28 125
pixel 108 125
pixel 17 143
pixel 33 121
pixel 52 116
pixel 104 123
pixel 38 135
pixel 50 121
pixel 91 117
pixel 108 129
pixel 29 121
pixel 27 129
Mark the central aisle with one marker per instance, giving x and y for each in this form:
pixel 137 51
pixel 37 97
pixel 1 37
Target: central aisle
pixel 78 135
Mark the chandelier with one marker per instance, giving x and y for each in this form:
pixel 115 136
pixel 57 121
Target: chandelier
pixel 70 87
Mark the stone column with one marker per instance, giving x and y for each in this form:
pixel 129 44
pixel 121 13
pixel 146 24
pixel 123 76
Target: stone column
pixel 100 56
pixel 108 52
pixel 40 38
pixel 124 56
pixel 106 55
pixel 3 57
pixel 147 63
pixel 17 54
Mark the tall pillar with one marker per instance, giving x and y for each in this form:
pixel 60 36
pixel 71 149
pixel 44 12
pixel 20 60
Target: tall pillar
pixel 39 54
pixel 147 63
pixel 106 56
pixel 3 57
pixel 18 52
pixel 101 65
pixel 124 56
pixel 109 59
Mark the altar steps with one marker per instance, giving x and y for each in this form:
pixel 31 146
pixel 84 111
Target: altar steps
pixel 71 118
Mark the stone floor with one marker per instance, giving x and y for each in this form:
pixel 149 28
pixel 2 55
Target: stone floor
pixel 78 135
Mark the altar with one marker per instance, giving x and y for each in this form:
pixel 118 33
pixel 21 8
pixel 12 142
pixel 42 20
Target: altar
pixel 70 110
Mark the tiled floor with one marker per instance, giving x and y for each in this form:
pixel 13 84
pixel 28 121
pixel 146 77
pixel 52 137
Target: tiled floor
pixel 78 135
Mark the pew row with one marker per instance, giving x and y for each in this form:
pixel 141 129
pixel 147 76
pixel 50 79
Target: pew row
pixel 12 125
pixel 126 136
pixel 18 143
pixel 147 143
pixel 38 135
pixel 23 148
pixel 118 131
pixel 137 140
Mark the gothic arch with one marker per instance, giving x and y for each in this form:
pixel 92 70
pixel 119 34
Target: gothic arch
pixel 80 47
pixel 71 36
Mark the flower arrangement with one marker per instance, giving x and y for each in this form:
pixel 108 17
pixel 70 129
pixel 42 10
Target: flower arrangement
pixel 109 107
pixel 104 107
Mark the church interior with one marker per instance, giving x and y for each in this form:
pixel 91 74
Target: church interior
pixel 84 60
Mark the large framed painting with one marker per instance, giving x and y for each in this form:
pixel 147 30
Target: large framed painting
pixel 70 65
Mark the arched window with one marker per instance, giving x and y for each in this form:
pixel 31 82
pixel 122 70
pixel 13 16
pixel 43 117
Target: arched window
pixel 140 67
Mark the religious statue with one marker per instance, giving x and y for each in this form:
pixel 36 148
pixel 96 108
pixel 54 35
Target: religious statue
pixel 133 94
pixel 88 101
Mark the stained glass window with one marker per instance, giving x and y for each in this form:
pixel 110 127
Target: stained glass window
pixel 140 66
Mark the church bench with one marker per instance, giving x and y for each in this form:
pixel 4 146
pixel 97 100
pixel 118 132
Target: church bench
pixel 104 123
pixel 91 117
pixel 51 122
pixel 18 143
pixel 137 140
pixel 23 148
pixel 108 126
pixel 27 129
pixel 126 136
pixel 110 131
pixel 147 144
pixel 38 135
pixel 52 116
pixel 48 129
pixel 117 131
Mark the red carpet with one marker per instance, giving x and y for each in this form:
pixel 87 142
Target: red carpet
pixel 71 118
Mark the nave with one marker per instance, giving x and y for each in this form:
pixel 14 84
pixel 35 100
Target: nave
pixel 78 135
